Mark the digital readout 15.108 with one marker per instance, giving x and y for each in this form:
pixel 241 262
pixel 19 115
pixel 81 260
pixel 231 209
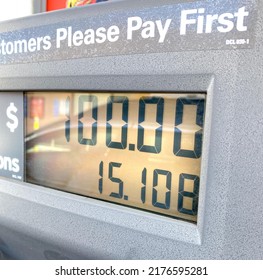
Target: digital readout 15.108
pixel 150 117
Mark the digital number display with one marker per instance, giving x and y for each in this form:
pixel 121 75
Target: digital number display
pixel 141 150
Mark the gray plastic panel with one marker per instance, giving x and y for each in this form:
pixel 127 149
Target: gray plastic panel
pixel 41 223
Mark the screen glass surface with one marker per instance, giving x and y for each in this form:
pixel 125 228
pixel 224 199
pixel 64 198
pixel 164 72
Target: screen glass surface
pixel 141 150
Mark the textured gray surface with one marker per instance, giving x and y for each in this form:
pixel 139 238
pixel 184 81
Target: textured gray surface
pixel 43 223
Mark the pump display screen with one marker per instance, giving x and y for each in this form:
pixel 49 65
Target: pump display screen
pixel 141 150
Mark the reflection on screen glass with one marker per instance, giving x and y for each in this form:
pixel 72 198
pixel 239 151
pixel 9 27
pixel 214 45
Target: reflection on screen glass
pixel 136 149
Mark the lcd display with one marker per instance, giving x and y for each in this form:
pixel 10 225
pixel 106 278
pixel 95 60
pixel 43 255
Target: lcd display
pixel 141 150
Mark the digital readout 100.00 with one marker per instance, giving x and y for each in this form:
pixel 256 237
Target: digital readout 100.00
pixel 144 101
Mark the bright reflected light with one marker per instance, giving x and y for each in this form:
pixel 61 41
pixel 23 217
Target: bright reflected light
pixel 15 9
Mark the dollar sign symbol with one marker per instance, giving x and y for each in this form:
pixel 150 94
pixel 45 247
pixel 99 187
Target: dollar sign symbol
pixel 11 109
